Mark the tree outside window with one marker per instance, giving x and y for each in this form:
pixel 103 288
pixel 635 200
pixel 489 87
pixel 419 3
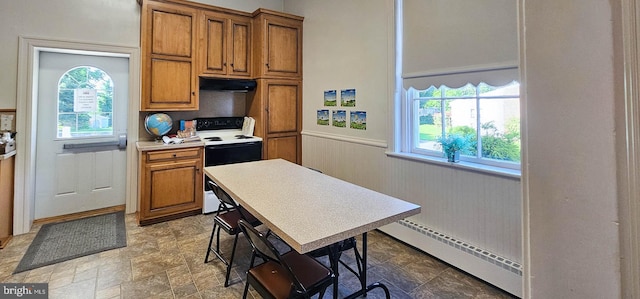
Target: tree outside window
pixel 82 122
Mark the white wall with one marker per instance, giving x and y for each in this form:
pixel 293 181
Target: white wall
pixel 345 45
pixel 572 197
pixel 114 22
pixel 570 167
pixel 350 44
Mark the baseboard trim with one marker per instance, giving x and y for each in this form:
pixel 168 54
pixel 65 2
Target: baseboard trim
pixel 79 215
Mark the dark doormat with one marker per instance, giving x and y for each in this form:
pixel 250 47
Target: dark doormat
pixel 58 242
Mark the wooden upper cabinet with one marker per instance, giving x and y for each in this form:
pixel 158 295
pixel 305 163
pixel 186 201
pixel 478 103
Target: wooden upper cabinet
pixel 225 45
pixel 278 45
pixel 168 46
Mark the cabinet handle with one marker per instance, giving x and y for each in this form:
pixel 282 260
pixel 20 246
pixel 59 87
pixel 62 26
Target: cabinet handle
pixel 224 64
pixel 193 93
pixel 175 155
pixel 231 65
pixel 267 65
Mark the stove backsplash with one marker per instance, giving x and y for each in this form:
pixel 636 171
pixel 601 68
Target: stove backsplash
pixel 212 104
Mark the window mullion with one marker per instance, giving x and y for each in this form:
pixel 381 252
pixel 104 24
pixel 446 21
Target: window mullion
pixel 478 125
pixel 443 112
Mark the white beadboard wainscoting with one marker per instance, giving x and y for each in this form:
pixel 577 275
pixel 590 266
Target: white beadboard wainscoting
pixel 469 219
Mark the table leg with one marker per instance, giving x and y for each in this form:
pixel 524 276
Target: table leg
pixel 363 276
pixel 334 256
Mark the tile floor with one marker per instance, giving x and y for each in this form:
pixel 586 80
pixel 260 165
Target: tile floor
pixel 165 260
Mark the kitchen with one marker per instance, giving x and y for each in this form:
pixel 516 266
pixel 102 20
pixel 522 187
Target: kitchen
pixel 369 50
pixel 191 51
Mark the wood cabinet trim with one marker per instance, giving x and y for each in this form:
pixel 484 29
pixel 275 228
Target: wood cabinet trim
pixel 195 5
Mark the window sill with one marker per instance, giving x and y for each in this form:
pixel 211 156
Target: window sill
pixel 499 171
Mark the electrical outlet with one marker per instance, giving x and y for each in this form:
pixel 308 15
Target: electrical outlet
pixel 6 122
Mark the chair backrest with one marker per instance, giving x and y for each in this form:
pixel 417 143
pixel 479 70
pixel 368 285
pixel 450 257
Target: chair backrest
pixel 259 242
pixel 263 248
pixel 222 195
pixel 227 202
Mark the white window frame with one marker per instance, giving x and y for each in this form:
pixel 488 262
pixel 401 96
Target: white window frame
pixel 400 136
pixel 410 131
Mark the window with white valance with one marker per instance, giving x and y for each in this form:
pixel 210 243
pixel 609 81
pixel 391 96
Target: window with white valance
pixel 459 46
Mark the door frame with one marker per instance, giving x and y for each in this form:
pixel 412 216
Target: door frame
pixel 627 146
pixel 26 119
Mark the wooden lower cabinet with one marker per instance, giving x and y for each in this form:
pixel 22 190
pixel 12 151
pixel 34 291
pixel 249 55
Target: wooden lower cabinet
pixel 171 184
pixel 6 200
pixel 285 147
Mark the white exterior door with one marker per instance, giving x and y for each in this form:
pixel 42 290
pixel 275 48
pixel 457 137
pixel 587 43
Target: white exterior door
pixel 82 114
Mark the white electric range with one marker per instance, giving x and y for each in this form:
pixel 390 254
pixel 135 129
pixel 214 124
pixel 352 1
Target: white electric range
pixel 227 140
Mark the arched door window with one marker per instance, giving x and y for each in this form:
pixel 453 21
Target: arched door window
pixel 85 103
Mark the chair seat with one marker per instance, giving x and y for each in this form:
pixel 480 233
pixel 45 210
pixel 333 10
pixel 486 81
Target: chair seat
pixel 229 220
pixel 273 278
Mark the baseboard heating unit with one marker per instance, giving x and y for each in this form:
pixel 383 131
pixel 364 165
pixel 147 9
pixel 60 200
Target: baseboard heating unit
pixel 468 248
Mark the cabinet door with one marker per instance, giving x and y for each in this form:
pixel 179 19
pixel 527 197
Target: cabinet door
pixel 168 55
pixel 240 47
pixel 283 106
pixel 277 108
pixel 285 147
pixel 278 52
pixel 227 45
pixel 283 49
pixel 215 49
pixel 170 85
pixel 171 187
pixel 6 200
pixel 172 32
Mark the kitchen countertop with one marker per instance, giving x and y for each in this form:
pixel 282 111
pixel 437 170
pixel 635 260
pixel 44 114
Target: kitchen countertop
pixel 7 155
pixel 153 145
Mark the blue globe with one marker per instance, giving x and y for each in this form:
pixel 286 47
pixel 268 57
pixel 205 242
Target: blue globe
pixel 158 124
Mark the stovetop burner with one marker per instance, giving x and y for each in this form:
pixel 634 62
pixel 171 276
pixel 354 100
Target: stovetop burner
pixel 223 130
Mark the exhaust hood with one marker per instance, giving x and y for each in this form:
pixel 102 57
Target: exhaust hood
pixel 238 85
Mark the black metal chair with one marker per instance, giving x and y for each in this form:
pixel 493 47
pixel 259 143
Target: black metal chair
pixel 227 218
pixel 290 275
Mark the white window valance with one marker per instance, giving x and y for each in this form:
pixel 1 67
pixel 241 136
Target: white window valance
pixel 495 75
pixel 455 42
